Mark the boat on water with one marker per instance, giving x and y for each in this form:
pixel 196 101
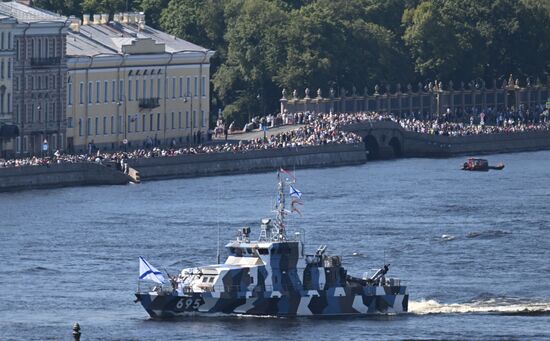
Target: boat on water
pixel 482 165
pixel 271 276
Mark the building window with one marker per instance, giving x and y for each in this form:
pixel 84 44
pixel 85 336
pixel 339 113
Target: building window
pixel 196 86
pixel 187 119
pixel 143 122
pixel 79 127
pixel 97 125
pixel 2 67
pixel 203 118
pixel 70 93
pixel 145 88
pixel 113 91
pixel 104 125
pixel 129 129
pixel 174 87
pixel 181 87
pixel 89 127
pixel 129 89
pixel 188 86
pixel 151 88
pixel 158 88
pixel 9 40
pixel 194 118
pixel 179 120
pixel 69 122
pixel 151 122
pixel 97 91
pixel 25 144
pixel 112 124
pixel 105 91
pixel 135 119
pixel 173 121
pixel 9 68
pixel 121 90
pixel 137 89
pixel 81 93
pixel 17 54
pixel 158 121
pixel 90 92
pixel 203 86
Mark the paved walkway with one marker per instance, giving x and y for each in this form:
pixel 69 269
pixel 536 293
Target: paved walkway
pixel 257 133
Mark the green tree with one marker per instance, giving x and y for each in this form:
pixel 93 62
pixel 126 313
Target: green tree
pixel 331 44
pixel 153 10
pixel 107 6
pixel 64 7
pixel 254 36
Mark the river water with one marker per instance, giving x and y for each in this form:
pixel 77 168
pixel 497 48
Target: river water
pixel 473 248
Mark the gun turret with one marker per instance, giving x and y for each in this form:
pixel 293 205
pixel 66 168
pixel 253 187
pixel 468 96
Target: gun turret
pixel 380 273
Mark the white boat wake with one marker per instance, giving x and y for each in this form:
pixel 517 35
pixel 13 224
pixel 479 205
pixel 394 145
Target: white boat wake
pixel 493 305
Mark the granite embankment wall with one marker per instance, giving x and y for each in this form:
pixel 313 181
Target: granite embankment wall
pixel 425 145
pixel 188 166
pixel 185 166
pixel 59 175
pixel 387 139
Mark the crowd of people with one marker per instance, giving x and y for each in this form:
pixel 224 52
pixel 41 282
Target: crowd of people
pixel 314 129
pixel 317 130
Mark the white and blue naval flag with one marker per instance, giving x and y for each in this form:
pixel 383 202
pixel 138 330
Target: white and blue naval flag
pixel 295 193
pixel 147 271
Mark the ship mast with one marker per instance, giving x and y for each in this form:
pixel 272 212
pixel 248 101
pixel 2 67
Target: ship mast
pixel 280 209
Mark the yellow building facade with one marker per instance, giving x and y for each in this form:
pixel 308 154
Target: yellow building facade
pixel 130 86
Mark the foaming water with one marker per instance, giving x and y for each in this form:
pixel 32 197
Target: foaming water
pixel 495 305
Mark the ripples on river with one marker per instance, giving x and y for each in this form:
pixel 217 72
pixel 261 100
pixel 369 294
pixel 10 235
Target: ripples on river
pixel 473 248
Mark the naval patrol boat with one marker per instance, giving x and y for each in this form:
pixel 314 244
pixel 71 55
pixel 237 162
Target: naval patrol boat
pixel 272 276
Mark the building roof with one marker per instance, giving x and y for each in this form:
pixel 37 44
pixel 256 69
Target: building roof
pixel 93 39
pixel 28 14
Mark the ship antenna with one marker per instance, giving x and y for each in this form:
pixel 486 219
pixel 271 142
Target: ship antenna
pixel 218 223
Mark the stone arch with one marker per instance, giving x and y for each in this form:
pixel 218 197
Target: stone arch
pixel 397 149
pixel 372 147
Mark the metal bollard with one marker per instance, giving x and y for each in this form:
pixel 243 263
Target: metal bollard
pixel 76 332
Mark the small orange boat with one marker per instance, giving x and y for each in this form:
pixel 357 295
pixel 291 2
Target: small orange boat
pixel 482 165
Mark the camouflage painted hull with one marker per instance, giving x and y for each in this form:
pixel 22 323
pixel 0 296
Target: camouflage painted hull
pixel 332 302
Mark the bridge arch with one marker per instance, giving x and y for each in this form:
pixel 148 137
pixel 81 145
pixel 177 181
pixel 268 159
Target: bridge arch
pixel 372 147
pixel 397 149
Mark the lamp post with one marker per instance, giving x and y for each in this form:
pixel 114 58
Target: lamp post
pixel 44 143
